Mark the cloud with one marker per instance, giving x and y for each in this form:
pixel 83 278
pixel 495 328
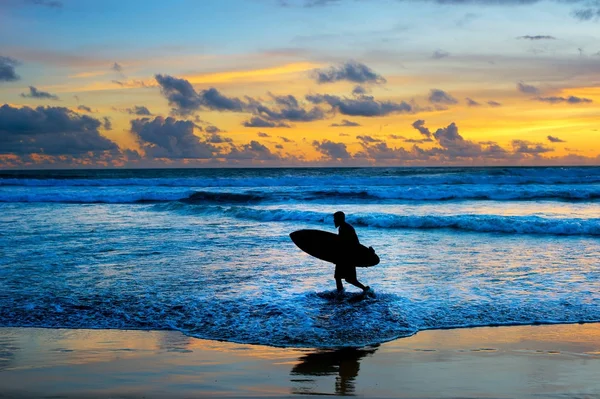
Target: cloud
pixel 351 71
pixel 345 123
pixel 107 125
pixel 84 109
pixel 368 139
pixel 361 106
pixel 492 103
pixel 131 83
pixel 332 150
pixel 279 146
pixel 587 14
pixel 7 69
pixel 537 37
pixel 568 100
pixel 438 96
pixel 256 121
pixel 396 137
pixel 553 139
pixel 117 67
pixel 289 109
pixel 285 139
pixel 420 126
pixel 46 3
pixel 472 103
pixel 526 147
pixel 212 129
pixel 527 89
pixel 185 100
pixel 139 110
pixel 35 93
pixel 252 151
pixel 359 90
pixel 51 131
pixel 263 134
pixel 170 138
pixel 418 141
pixel 215 138
pixel 439 54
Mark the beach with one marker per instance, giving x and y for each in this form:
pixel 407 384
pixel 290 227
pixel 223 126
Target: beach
pixel 559 361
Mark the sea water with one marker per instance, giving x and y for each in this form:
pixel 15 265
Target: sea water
pixel 207 251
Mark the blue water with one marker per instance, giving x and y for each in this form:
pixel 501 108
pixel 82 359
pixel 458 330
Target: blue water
pixel 207 252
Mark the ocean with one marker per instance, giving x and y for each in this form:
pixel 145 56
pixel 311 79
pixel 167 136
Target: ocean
pixel 207 251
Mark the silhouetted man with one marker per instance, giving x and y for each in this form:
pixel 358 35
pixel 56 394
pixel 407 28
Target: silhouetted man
pixel 349 238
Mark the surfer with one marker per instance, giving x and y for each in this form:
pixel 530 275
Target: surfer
pixel 348 236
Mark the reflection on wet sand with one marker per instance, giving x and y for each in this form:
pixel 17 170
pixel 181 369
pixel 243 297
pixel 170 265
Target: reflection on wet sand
pixel 344 363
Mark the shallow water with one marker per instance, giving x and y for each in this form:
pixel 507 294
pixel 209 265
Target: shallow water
pixel 207 252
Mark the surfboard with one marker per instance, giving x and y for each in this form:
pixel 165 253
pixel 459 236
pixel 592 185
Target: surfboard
pixel 328 247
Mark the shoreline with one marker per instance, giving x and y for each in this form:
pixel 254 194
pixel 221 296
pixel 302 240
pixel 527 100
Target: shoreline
pixel 508 361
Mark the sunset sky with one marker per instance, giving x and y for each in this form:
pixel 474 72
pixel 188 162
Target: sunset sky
pixel 298 83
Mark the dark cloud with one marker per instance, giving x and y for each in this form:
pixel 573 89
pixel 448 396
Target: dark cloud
pixel 492 103
pixel 331 150
pixel 587 14
pixel 418 141
pixel 7 69
pixel 215 138
pixel 438 96
pixel 351 71
pixel 84 109
pixel 139 110
pixel 285 139
pixel 131 83
pixel 553 139
pixel 438 54
pixel 170 138
pixel 420 126
pixel 472 103
pixel 35 93
pixel 107 124
pixel 568 100
pixel 252 151
pixel 263 134
pixel 117 67
pixel 359 90
pixel 360 106
pixel 526 147
pixel 212 129
pixel 185 100
pixel 256 121
pixel 45 3
pixel 50 131
pixel 537 37
pixel 279 146
pixel 368 139
pixel 289 109
pixel 345 123
pixel 527 89
pixel 396 137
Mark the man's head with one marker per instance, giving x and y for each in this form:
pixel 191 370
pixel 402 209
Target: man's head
pixel 338 218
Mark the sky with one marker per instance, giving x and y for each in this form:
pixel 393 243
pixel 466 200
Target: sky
pixel 220 83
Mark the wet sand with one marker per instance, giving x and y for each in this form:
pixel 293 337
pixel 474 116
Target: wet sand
pixel 493 362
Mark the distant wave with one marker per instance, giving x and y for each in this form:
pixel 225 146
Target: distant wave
pixel 465 222
pixel 376 194
pixel 320 178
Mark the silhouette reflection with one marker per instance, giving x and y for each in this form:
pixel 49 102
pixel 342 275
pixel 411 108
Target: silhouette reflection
pixel 343 363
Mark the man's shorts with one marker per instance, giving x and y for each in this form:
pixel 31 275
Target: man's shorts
pixel 345 272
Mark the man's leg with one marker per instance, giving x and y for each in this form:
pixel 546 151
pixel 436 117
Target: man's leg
pixel 351 278
pixel 338 278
